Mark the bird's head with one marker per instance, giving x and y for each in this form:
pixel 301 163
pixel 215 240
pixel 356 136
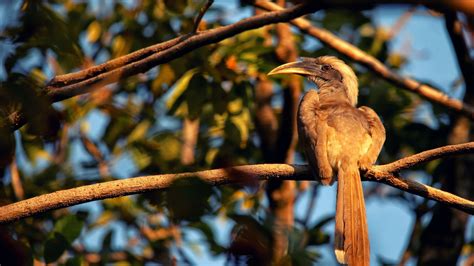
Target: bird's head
pixel 323 70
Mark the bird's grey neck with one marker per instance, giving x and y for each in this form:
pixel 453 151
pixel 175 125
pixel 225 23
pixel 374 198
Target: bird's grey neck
pixel 332 92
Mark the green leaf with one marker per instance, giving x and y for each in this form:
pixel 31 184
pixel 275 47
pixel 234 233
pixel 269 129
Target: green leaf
pixel 118 127
pixel 7 147
pixel 179 88
pixel 207 231
pixel 54 247
pixel 188 199
pixel 139 132
pixel 70 227
pixel 196 95
pixel 165 76
pixel 140 157
pixel 107 241
pixel 316 235
pixel 251 239
pixel 74 261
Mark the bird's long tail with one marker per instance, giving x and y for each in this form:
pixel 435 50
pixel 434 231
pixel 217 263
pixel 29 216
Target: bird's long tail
pixel 351 235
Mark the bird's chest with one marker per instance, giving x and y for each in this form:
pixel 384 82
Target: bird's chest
pixel 347 137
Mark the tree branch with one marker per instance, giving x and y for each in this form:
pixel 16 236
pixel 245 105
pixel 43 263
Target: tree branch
pixel 203 10
pixel 236 175
pixel 188 44
pixel 70 85
pixel 361 57
pixel 466 64
pixel 426 156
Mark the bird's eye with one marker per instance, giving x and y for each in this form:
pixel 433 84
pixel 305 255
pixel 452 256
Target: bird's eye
pixel 326 67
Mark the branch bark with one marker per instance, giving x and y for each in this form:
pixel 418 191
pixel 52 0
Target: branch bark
pixel 70 85
pixel 363 58
pixel 235 175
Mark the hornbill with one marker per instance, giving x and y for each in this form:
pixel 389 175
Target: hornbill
pixel 338 140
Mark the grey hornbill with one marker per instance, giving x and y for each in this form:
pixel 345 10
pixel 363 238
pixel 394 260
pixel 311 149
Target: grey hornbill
pixel 338 139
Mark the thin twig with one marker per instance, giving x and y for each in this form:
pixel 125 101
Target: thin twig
pixel 402 20
pixel 16 180
pixel 426 156
pixel 232 175
pixel 203 10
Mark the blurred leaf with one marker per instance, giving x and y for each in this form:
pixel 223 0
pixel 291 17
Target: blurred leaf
pixel 334 20
pixel 69 227
pixel 33 148
pixel 54 247
pixel 120 46
pixel 52 33
pixel 94 31
pixel 251 241
pixel 118 127
pixel 140 157
pixel 7 148
pixel 396 60
pixel 196 96
pixel 298 254
pixel 23 91
pixel 316 235
pixel 75 261
pixel 165 76
pixel 105 217
pixel 188 199
pixel 177 6
pixel 107 241
pixel 139 132
pixel 207 231
pixel 169 147
pixel 179 88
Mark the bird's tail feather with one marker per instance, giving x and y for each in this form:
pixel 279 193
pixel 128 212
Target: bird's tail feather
pixel 351 234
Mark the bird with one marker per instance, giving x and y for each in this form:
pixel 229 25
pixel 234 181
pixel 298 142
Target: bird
pixel 339 141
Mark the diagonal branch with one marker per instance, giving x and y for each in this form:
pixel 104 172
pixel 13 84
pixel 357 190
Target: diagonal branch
pixel 199 17
pixel 426 156
pixel 180 48
pixel 361 57
pixel 236 175
pixel 466 64
pixel 70 85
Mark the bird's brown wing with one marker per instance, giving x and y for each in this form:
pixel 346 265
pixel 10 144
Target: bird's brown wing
pixel 311 131
pixel 377 134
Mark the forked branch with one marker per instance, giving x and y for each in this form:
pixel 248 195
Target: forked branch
pixel 387 174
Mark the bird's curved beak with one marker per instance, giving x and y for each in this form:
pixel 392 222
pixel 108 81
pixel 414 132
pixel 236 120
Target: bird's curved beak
pixel 299 67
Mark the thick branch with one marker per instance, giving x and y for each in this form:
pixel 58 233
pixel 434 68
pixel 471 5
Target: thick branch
pixel 72 78
pixel 175 49
pixel 123 187
pixel 353 52
pixel 69 85
pixel 236 175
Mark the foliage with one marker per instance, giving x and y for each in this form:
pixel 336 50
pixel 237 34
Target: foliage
pixel 135 128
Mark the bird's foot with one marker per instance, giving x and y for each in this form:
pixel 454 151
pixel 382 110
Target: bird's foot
pixel 326 174
pixel 365 164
